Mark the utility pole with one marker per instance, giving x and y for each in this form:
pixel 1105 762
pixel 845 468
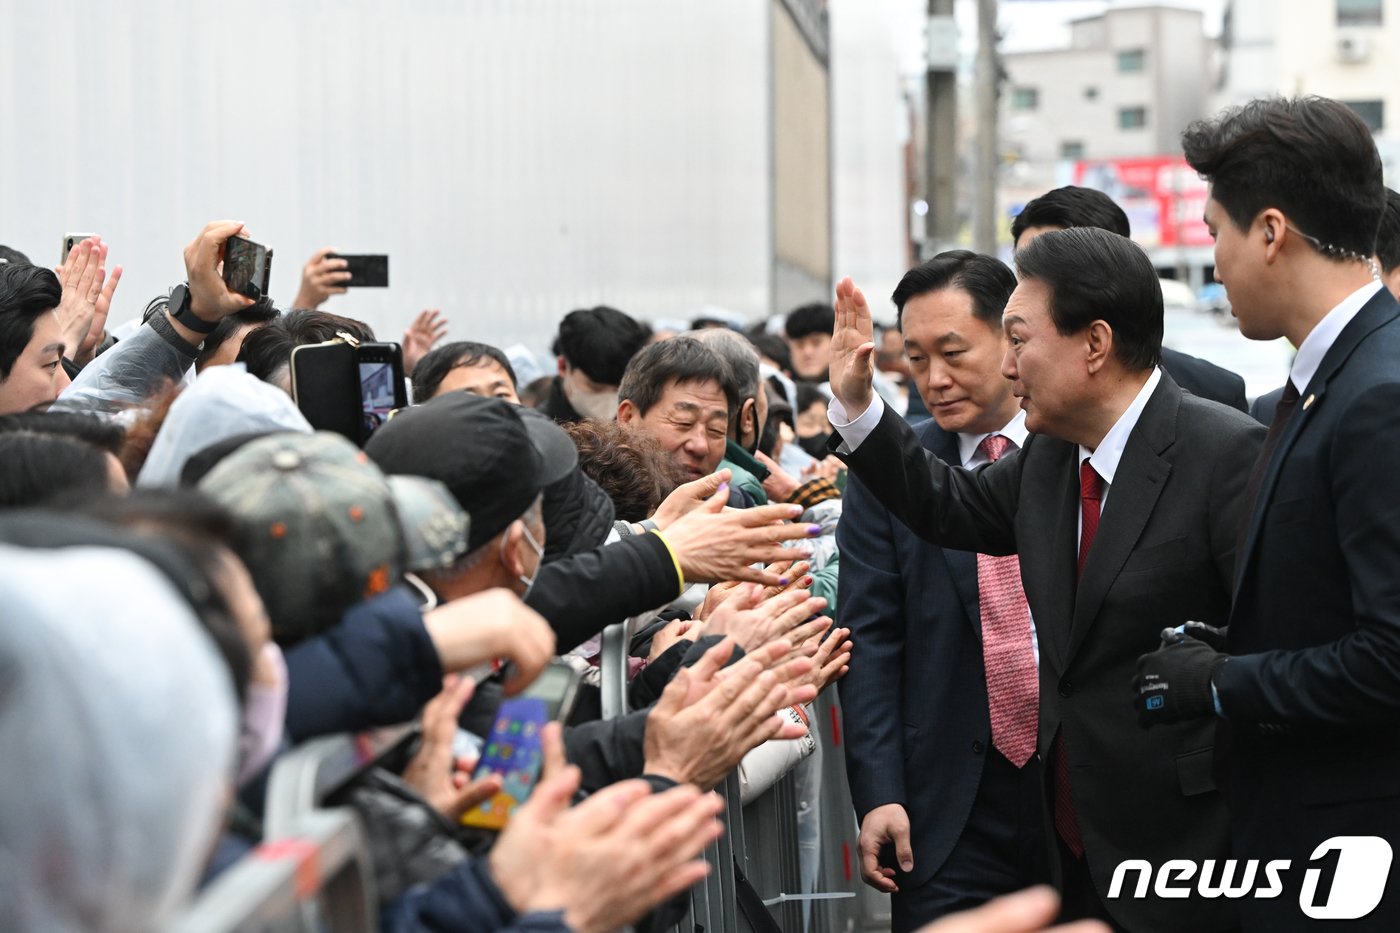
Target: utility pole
pixel 987 81
pixel 941 150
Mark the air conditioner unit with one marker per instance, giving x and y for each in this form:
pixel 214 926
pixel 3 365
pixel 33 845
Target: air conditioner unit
pixel 1352 47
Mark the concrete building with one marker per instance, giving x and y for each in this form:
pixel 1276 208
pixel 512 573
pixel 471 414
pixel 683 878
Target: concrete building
pixel 1130 81
pixel 1344 49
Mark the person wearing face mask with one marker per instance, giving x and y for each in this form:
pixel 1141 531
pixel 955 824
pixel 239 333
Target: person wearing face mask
pixel 813 430
pixel 594 346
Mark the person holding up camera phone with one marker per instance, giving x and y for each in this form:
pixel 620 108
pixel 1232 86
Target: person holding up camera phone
pixel 168 343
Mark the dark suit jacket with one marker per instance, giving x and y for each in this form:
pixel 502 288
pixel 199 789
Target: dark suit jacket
pixel 1313 697
pixel 1204 379
pixel 915 700
pixel 1164 554
pixel 1265 405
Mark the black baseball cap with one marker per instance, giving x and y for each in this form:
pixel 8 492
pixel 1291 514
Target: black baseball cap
pixel 495 460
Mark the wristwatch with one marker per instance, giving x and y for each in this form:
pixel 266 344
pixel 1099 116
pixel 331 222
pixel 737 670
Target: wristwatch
pixel 182 311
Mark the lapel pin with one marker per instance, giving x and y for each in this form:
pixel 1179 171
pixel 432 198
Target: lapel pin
pixel 1307 402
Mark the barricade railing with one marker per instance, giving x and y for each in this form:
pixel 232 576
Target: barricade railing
pixel 316 878
pixel 303 778
pixel 762 842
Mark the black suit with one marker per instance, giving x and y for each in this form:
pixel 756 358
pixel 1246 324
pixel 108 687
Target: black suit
pixel 1265 405
pixel 915 711
pixel 1313 704
pixel 1204 379
pixel 1164 554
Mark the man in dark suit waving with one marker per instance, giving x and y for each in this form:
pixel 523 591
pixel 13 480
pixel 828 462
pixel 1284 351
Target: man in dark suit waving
pixel 1073 206
pixel 1123 506
pixel 1310 689
pixel 941 701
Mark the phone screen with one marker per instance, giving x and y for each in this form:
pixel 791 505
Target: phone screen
pixel 247 267
pixel 377 393
pixel 513 749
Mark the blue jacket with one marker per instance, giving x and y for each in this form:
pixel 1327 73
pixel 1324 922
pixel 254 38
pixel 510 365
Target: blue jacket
pixel 464 900
pixel 378 667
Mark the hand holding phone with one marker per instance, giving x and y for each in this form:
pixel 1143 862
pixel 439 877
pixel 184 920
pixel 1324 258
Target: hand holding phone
pixel 367 270
pixel 210 297
pixel 514 751
pixel 247 267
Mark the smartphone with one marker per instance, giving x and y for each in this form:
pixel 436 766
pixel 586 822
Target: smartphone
pixel 513 748
pixel 382 387
pixel 347 388
pixel 247 267
pixel 367 270
pixel 71 240
pixel 326 387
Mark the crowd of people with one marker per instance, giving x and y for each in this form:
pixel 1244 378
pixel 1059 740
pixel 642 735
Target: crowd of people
pixel 1034 682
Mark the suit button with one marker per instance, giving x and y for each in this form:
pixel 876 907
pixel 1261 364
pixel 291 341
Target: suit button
pixel 977 746
pixel 1066 688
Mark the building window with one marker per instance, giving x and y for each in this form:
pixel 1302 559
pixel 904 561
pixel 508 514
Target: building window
pixel 1360 12
pixel 1370 111
pixel 1132 60
pixel 1091 93
pixel 1025 98
pixel 1132 118
pixel 1071 150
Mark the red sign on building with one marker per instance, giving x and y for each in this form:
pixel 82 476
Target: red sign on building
pixel 1163 197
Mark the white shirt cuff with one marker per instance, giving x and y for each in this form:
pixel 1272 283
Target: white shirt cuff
pixel 854 431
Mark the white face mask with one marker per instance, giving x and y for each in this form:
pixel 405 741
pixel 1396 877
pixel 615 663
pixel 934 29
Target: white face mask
pixel 539 560
pixel 600 406
pixel 264 715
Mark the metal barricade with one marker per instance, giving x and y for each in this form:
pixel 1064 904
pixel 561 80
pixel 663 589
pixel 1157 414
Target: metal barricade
pixel 315 880
pixel 762 839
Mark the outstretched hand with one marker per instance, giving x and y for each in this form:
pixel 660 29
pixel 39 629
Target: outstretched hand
pixel 852 348
pixel 427 329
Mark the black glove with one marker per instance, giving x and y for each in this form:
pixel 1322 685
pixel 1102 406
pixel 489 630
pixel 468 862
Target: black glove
pixel 1174 682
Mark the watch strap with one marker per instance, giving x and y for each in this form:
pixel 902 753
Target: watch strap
pixel 162 326
pixel 182 310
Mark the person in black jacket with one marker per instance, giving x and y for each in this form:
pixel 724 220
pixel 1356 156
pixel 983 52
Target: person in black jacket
pixel 593 347
pixel 1072 206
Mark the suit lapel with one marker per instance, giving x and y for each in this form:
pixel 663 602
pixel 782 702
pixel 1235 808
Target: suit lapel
pixel 1137 484
pixel 962 565
pixel 1056 567
pixel 1380 310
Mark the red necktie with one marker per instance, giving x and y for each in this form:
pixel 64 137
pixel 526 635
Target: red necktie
pixel 1090 500
pixel 1013 686
pixel 1066 819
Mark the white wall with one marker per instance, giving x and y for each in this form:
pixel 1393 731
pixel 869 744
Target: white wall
pixel 516 158
pixel 870 121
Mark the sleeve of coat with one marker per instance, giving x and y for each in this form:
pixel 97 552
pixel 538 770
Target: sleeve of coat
pixel 579 596
pixel 464 900
pixel 971 510
pixel 126 375
pixel 378 667
pixel 607 750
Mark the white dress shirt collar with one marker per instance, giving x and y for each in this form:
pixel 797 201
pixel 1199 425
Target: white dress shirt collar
pixel 1320 340
pixel 1105 458
pixel 1014 431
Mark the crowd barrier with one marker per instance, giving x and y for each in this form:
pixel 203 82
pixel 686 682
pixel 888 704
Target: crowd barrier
pixel 314 874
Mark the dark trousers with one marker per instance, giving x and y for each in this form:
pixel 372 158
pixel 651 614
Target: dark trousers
pixel 1000 849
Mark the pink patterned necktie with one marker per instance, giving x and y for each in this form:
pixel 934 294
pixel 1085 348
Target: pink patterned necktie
pixel 1013 687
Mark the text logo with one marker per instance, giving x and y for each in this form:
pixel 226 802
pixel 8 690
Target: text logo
pixel 1344 879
